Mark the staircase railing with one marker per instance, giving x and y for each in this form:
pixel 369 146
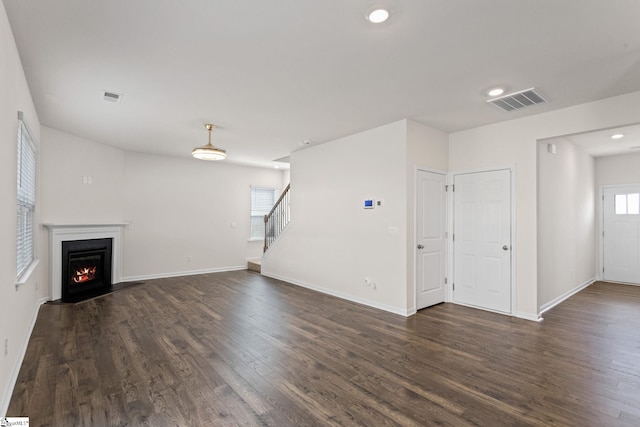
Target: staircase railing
pixel 277 219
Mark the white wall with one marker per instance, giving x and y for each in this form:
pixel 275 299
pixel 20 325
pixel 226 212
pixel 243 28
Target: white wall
pixel 617 170
pixel 514 143
pixel 177 207
pixel 19 305
pixel 286 177
pixel 566 221
pixel 66 160
pixel 180 208
pixel 427 149
pixel 332 243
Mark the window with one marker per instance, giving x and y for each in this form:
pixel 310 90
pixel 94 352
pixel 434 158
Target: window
pixel 262 200
pixel 627 204
pixel 26 197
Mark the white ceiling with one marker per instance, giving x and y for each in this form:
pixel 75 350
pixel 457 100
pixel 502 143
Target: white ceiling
pixel 600 143
pixel 273 74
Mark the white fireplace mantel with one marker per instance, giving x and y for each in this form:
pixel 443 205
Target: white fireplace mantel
pixel 59 233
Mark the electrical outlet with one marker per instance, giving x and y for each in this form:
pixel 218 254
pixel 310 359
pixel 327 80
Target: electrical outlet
pixel 189 259
pixel 6 347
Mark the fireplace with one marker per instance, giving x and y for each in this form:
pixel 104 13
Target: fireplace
pixel 60 232
pixel 86 268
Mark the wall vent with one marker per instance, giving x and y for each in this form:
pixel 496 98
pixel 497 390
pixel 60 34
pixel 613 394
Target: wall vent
pixel 111 97
pixel 518 100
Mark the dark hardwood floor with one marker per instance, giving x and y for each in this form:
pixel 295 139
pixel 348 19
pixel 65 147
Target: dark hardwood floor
pixel 239 349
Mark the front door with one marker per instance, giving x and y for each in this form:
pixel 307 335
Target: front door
pixel 482 240
pixel 621 227
pixel 430 239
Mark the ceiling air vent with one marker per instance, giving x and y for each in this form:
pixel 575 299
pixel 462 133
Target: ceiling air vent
pixel 518 100
pixel 111 96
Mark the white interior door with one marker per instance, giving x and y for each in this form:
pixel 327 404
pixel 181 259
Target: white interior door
pixel 621 227
pixel 482 240
pixel 430 239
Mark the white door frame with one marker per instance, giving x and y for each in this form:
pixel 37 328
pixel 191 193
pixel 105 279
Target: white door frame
pixel 514 245
pixel 447 293
pixel 600 225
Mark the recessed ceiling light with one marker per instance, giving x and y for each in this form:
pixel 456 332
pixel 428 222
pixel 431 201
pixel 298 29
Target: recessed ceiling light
pixel 497 91
pixel 305 142
pixel 378 14
pixel 617 136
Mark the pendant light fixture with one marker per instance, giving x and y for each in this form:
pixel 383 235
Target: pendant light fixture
pixel 209 152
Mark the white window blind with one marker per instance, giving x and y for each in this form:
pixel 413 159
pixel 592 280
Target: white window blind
pixel 26 197
pixel 262 200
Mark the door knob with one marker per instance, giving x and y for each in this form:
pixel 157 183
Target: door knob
pixel 420 247
pixel 505 248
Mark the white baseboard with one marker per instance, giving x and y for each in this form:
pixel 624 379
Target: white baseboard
pixel 182 273
pixel 6 399
pixel 619 283
pixel 549 305
pixel 341 295
pixel 528 316
pixel 518 314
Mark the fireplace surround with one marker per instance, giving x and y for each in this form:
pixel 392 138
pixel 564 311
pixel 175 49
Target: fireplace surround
pixel 59 233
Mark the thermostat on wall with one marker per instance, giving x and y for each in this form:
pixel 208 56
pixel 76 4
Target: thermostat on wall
pixel 369 204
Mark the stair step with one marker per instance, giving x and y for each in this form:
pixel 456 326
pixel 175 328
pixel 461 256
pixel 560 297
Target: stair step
pixel 254 265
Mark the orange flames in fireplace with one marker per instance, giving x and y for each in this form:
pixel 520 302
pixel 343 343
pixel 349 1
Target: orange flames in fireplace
pixel 84 274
